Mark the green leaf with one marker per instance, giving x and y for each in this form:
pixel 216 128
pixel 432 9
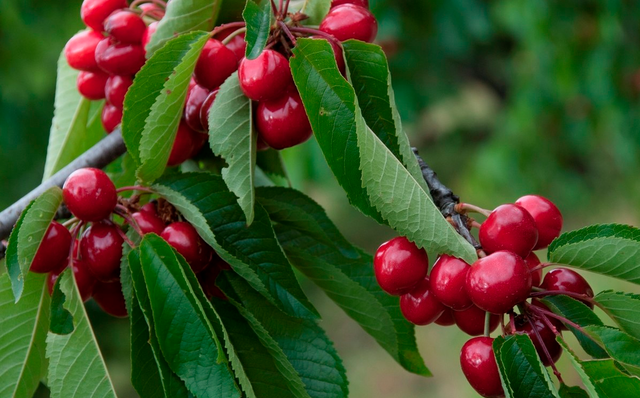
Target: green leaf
pixel 375 181
pixel 61 318
pixel 253 252
pixel 23 330
pixel 258 20
pixel 182 17
pixel 232 137
pixel 572 392
pixel 76 367
pixel 608 249
pixel 11 260
pixel 270 161
pixel 314 9
pixel 623 308
pixel 185 335
pixel 520 368
pixel 622 347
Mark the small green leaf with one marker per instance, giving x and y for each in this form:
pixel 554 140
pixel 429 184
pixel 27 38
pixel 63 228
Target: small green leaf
pixel 623 308
pixel 258 20
pixel 314 9
pixel 232 137
pixel 572 392
pixel 608 249
pixel 622 347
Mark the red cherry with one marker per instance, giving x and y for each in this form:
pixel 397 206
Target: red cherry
pixel 89 194
pixel 361 3
pixel 53 250
pixel 146 37
pixel 116 88
pixel 238 46
pixel 125 26
pixel 119 58
pixel 81 48
pixel 283 123
pixel 150 208
pixel 533 262
pixel 195 98
pixel 547 217
pixel 205 108
pixel 185 239
pixel 184 144
pixel 148 222
pixel 94 12
pixel 448 282
pixel 266 77
pixel 101 249
pixel 349 21
pixel 110 298
pixel 215 65
pixel 91 84
pixel 400 266
pixel 567 280
pixel 498 282
pixel 524 326
pixel 420 306
pixel 509 227
pixel 479 366
pixel 471 320
pixel 111 117
pixel 83 277
pixel 446 319
pixel 152 9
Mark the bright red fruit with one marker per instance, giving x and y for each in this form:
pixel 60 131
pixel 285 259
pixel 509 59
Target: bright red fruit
pixel 238 46
pixel 547 217
pixel 94 12
pixel 350 21
pixel 101 249
pixel 184 145
pixel 471 320
pixel 185 239
pixel 420 306
pixel 83 278
pixel 151 29
pixel 266 77
pixel 53 250
pixel 448 282
pixel 446 319
pixel 567 280
pixel 148 222
pixel 533 262
pixel 215 65
pixel 89 194
pixel 111 117
pixel 400 266
pixel 116 88
pixel 479 366
pixel 205 108
pixel 361 3
pixel 509 227
pixel 125 26
pixel 283 123
pixel 110 298
pixel 544 337
pixel 119 58
pixel 195 98
pixel 81 48
pixel 91 84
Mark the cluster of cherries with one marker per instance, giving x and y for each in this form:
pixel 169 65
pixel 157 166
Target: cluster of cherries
pixel 475 297
pixel 93 246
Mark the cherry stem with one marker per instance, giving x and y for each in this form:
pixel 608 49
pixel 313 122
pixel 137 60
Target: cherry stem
pixel 132 221
pixel 577 296
pixel 475 224
pixel 543 312
pixel 226 26
pixel 286 30
pixel 487 324
pixel 545 350
pixel 134 188
pixel 463 207
pixel 316 32
pixel 280 8
pixel 512 322
pixel 502 325
pixel 286 9
pixel 126 238
pixel 74 236
pixel 70 222
pixel 233 34
pixel 276 11
pixel 543 265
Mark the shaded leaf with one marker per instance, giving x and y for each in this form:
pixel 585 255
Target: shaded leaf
pixel 258 20
pixel 623 308
pixel 61 318
pixel 620 346
pixel 572 392
pixel 271 163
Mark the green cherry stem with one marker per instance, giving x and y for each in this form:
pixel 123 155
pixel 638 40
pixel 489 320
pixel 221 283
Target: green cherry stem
pixel 462 207
pixel 487 324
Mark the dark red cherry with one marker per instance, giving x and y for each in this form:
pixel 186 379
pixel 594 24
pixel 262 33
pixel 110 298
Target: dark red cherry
pixel 471 321
pixel 91 84
pixel 185 239
pixel 283 122
pixel 448 282
pixel 350 21
pixel 509 227
pixel 557 323
pixel 544 337
pixel 81 48
pixel 446 319
pixel 119 58
pixel 400 266
pixel 53 251
pixel 109 297
pixel 533 262
pixel 498 282
pixel 116 88
pixel 361 3
pixel 111 117
pixel 184 144
pixel 148 222
pixel 547 217
pixel 479 366
pixel 94 12
pixel 83 278
pixel 101 249
pixel 125 26
pixel 89 194
pixel 207 279
pixel 420 306
pixel 199 139
pixel 146 37
pixel 205 108
pixel 567 280
pixel 215 65
pixel 195 98
pixel 266 77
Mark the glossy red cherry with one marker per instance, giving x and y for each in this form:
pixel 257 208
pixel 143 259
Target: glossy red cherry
pixel 283 122
pixel 479 366
pixel 184 144
pixel 185 239
pixel 361 3
pixel 101 249
pixel 205 108
pixel 195 98
pixel 266 77
pixel 148 222
pixel 448 282
pixel 238 46
pixel 150 208
pixel 53 250
pixel 498 282
pixel 509 227
pixel 116 88
pixel 544 337
pixel 146 37
pixel 400 266
pixel 91 84
pixel 350 21
pixel 420 306
pixel 89 194
pixel 547 217
pixel 94 12
pixel 446 319
pixel 215 64
pixel 533 262
pixel 125 26
pixel 109 297
pixel 567 280
pixel 111 117
pixel 471 321
pixel 81 48
pixel 83 278
pixel 119 58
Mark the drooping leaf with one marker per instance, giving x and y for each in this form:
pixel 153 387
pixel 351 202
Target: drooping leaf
pixel 620 346
pixel 375 181
pixel 623 308
pixel 572 392
pixel 258 20
pixel 314 9
pixel 232 137
pixel 23 330
pixel 608 249
pixel 145 375
pixel 11 260
pixel 76 367
pixel 182 17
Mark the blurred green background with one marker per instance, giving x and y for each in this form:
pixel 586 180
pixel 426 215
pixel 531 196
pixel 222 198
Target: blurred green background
pixel 503 98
